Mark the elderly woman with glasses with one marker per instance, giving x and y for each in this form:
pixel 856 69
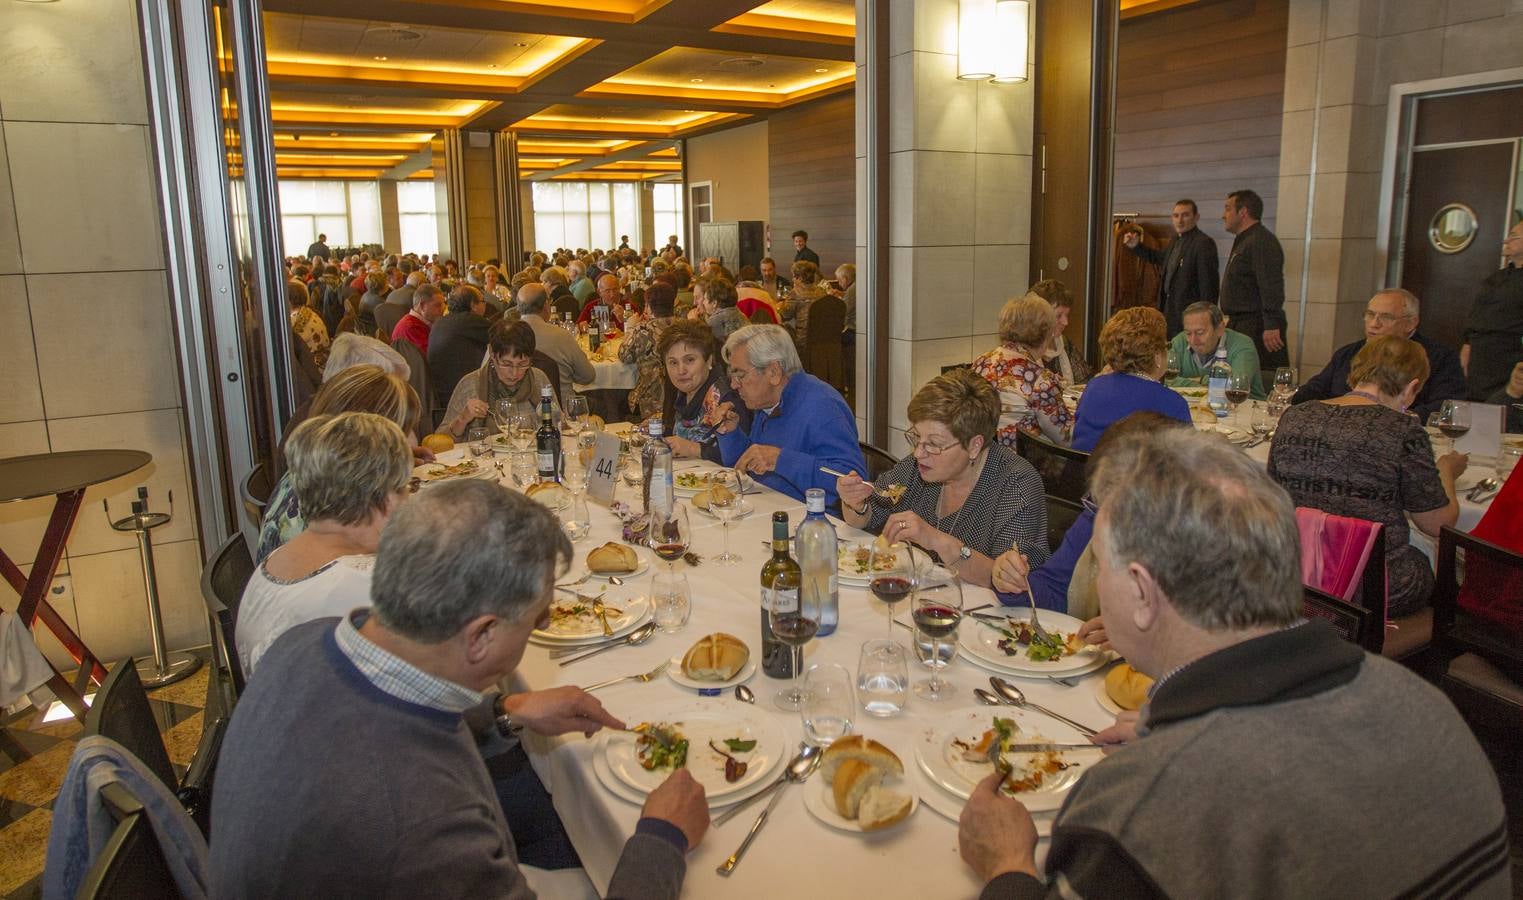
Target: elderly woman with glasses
pixel 967 498
pixel 507 374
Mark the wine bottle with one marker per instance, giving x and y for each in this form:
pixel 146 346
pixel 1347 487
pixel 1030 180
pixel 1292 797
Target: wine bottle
pixel 777 657
pixel 547 440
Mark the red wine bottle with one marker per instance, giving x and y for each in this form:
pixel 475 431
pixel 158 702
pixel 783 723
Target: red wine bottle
pixel 777 656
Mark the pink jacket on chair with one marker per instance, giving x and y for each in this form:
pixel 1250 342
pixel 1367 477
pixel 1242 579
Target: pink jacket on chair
pixel 1334 551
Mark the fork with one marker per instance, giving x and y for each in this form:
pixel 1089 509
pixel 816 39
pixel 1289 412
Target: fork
pixel 571 584
pixel 877 491
pixel 1036 624
pixel 642 678
pixel 599 610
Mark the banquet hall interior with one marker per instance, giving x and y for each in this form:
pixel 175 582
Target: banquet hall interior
pixel 203 199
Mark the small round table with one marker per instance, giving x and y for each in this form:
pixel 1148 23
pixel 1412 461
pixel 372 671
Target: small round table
pixel 65 475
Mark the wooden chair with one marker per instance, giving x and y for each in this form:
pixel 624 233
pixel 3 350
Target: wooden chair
pixel 226 574
pixel 878 461
pixel 1356 624
pixel 822 348
pixel 131 865
pixel 255 490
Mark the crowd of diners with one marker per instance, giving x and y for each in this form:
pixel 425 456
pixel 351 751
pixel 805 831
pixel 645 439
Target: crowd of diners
pixel 384 623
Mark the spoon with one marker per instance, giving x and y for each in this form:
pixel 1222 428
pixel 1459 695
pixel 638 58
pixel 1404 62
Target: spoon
pixel 1481 487
pixel 987 698
pixel 1014 697
pixel 799 768
pixel 744 694
pixel 634 639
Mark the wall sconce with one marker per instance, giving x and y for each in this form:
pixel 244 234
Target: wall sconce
pixel 992 37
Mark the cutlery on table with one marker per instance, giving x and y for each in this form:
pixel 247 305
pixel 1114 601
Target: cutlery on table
pixel 634 639
pixel 571 584
pixel 642 678
pixel 1015 697
pixel 601 611
pixel 1481 487
pixel 729 865
pixel 744 694
pixel 799 768
pixel 878 492
pixel 1066 682
pixel 1486 496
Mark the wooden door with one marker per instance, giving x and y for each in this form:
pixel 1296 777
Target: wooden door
pixel 1479 177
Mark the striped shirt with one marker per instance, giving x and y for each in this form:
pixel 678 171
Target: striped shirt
pixel 395 676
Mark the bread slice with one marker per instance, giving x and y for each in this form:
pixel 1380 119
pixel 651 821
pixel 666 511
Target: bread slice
pixel 862 749
pixel 853 778
pixel 881 807
pixel 716 657
pixel 612 558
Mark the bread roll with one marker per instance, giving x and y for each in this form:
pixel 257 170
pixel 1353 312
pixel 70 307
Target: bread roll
pixel 612 559
pixel 862 749
pixel 1127 686
pixel 547 492
pixel 881 807
pixel 853 778
pixel 716 657
pixel 438 442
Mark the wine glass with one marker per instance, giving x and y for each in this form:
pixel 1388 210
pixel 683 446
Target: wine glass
pixel 521 426
pixel 1171 365
pixel 937 616
pixel 670 534
pixel 502 415
pixel 1238 389
pixel 1285 381
pixel 1454 419
pixel 476 438
pixel 725 500
pixel 794 619
pixel 894 582
pixel 1264 417
pixel 574 419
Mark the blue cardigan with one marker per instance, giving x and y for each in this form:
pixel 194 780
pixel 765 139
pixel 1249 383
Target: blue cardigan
pixel 1110 398
pixel 1051 578
pixel 814 427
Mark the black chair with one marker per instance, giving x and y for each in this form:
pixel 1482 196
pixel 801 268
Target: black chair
pixel 131 865
pixel 1356 624
pixel 226 574
pixel 1061 468
pixel 417 376
pixel 255 490
pixel 550 369
pixel 822 348
pixel 878 461
pixel 1490 573
pixel 565 303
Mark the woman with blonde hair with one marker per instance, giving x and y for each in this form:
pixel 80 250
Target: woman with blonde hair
pixel 1031 396
pixel 1134 345
pixel 1362 455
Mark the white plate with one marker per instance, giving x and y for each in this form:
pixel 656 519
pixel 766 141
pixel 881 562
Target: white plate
pixel 944 765
pixel 633 611
pixel 425 472
pixel 674 672
pixel 643 566
pixel 745 509
pixel 848 574
pixel 1100 662
pixel 950 806
pixel 1104 699
pixel 982 641
pixel 699 724
pixel 746 483
pixel 630 795
pixel 819 799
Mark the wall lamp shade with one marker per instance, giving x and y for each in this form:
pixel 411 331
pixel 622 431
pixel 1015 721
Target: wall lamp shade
pixel 992 38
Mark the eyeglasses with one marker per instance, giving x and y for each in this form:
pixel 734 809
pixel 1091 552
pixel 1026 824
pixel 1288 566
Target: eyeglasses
pixel 916 444
pixel 1383 318
pixel 524 366
pixel 739 375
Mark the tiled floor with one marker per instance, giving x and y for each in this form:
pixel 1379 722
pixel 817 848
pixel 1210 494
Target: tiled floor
pixel 34 758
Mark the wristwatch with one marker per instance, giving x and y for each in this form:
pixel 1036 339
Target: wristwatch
pixel 860 510
pixel 966 553
pixel 505 724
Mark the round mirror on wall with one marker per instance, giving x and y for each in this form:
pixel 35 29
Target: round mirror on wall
pixel 1453 228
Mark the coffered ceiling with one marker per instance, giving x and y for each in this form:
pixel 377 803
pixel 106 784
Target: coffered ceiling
pixel 595 89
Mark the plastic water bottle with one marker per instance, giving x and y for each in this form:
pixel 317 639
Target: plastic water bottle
pixel 1218 377
pixel 817 558
pixel 656 470
pixel 569 325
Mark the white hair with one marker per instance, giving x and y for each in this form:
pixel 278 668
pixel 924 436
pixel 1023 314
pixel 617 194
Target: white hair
pixel 1409 302
pixel 766 344
pixel 350 350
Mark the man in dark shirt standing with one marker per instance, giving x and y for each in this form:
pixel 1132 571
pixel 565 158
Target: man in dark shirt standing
pixel 319 247
pixel 801 248
pixel 1493 341
pixel 1253 285
pixel 1189 265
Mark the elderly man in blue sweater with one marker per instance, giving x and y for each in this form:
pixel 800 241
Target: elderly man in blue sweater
pixel 799 425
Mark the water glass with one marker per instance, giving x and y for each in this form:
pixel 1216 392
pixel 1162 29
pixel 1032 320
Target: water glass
pixel 1507 461
pixel 1285 381
pixel 476 439
pixel 525 470
pixel 1263 419
pixel 575 520
pixel 883 678
pixel 828 704
pixel 670 600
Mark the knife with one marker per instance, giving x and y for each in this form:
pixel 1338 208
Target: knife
pixel 991 617
pixel 1049 748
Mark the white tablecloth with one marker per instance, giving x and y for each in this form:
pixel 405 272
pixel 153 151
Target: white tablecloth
pixel 609 373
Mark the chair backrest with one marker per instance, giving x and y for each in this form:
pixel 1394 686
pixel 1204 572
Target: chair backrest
pixel 222 583
pixel 1356 624
pixel 131 865
pixel 822 350
pixel 255 490
pixel 1061 468
pixel 417 376
pixel 121 712
pixel 550 368
pixel 566 303
pixel 1490 574
pixel 878 461
pixel 1344 557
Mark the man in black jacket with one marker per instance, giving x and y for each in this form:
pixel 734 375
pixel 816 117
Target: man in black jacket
pixel 1189 265
pixel 458 342
pixel 1253 284
pixel 1392 311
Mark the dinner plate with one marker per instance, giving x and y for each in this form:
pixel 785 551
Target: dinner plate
pixel 820 800
pixel 1100 662
pixel 674 672
pixel 1104 699
pixel 428 473
pixel 982 641
pixel 945 766
pixel 950 806
pixel 747 485
pixel 846 571
pixel 743 510
pixel 630 795
pixel 643 566
pixel 633 612
pixel 699 724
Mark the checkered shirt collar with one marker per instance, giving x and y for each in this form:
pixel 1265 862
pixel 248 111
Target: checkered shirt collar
pixel 397 677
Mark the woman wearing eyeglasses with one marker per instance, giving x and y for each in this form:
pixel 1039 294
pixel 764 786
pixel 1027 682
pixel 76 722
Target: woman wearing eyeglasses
pixel 967 498
pixel 507 374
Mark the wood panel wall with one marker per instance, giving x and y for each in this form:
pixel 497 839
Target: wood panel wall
pixel 1199 96
pixel 811 173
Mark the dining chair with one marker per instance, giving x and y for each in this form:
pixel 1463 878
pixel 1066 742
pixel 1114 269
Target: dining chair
pixel 255 490
pixel 223 579
pixel 1062 468
pixel 1356 624
pixel 131 865
pixel 550 369
pixel 822 348
pixel 878 461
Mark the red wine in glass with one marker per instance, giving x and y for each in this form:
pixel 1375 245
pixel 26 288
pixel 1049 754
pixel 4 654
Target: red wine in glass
pixel 936 621
pixel 1453 431
pixel 891 588
pixel 1170 374
pixel 1236 396
pixel 671 552
pixel 794 630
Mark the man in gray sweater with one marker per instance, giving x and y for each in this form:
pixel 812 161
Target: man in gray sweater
pixel 1272 758
pixel 349 768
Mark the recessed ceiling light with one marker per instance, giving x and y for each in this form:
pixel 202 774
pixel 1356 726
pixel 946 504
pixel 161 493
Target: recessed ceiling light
pixel 491 65
pixel 696 80
pixel 380 58
pixel 333 134
pixel 522 44
pixel 821 71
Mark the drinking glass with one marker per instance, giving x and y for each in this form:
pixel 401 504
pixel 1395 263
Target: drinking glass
pixel 1454 419
pixel 1171 365
pixel 883 678
pixel 671 600
pixel 828 704
pixel 1507 461
pixel 574 473
pixel 1263 419
pixel 522 423
pixel 476 439
pixel 893 583
pixel 575 519
pixel 1238 390
pixel 502 416
pixel 937 616
pixel 670 534
pixel 525 470
pixel 724 504
pixel 794 619
pixel 1285 381
pixel 575 418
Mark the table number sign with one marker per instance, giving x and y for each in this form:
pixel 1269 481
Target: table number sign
pixel 604 471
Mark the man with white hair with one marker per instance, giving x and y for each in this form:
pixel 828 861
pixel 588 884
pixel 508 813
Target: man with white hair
pixel 581 286
pixel 1272 757
pixel 799 423
pixel 553 341
pixel 1392 311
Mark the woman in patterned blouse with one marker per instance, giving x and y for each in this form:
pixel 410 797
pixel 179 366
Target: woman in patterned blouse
pixel 306 324
pixel 694 387
pixel 639 349
pixel 1031 396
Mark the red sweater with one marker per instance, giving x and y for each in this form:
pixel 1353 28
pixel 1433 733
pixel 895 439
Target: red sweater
pixel 412 328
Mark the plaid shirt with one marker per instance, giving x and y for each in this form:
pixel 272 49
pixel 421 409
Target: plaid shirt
pixel 397 677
